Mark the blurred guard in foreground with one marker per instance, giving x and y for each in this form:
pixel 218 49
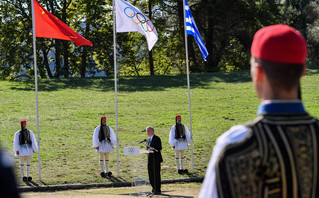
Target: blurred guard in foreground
pixel 104 140
pixel 24 147
pixel 275 155
pixel 8 184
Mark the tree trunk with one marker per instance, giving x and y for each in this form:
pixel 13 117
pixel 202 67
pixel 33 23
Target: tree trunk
pixel 41 71
pixel 83 65
pixel 84 53
pixel 57 59
pixel 66 60
pixel 65 44
pixel 191 45
pixel 209 66
pixel 56 43
pixel 46 62
pixel 180 13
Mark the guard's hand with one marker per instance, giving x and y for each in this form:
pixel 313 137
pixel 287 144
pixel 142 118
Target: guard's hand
pixel 173 147
pixel 97 148
pixel 17 152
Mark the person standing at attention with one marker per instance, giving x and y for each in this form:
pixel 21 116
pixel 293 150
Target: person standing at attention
pixel 104 140
pixel 24 146
pixel 276 154
pixel 179 139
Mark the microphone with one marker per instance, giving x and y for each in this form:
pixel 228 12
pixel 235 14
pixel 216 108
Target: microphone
pixel 142 141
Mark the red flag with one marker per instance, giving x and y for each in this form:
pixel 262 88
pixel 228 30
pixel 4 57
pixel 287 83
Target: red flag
pixel 48 26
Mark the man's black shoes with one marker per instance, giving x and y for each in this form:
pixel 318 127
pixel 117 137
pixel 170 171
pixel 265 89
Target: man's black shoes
pixel 158 193
pixel 154 192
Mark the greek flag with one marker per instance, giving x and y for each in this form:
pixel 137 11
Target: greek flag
pixel 191 29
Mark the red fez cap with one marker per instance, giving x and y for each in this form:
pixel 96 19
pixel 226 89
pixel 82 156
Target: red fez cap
pixel 103 117
pixel 22 121
pixel 178 116
pixel 279 43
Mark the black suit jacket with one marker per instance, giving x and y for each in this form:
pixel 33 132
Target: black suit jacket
pixel 157 144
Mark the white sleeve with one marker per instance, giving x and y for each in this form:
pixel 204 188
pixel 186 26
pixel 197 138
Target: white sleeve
pixel 235 134
pixel 188 135
pixel 172 140
pixel 113 137
pixel 34 141
pixel 16 145
pixel 96 137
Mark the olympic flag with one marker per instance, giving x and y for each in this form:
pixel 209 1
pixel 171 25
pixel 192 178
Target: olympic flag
pixel 130 19
pixel 191 29
pixel 48 26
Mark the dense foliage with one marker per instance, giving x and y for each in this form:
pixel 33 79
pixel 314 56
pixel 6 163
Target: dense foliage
pixel 227 28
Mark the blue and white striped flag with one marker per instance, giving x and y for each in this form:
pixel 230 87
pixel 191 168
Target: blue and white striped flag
pixel 191 29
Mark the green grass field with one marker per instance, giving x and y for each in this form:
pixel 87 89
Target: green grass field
pixel 69 110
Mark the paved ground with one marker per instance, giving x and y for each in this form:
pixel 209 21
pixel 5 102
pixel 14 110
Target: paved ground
pixel 176 190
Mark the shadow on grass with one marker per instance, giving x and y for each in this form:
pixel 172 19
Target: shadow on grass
pixel 31 183
pixel 131 84
pixel 312 70
pixel 43 182
pixel 141 83
pixel 116 179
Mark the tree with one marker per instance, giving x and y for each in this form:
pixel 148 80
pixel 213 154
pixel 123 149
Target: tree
pixel 231 26
pixel 227 28
pixel 303 15
pixel 94 19
pixel 15 41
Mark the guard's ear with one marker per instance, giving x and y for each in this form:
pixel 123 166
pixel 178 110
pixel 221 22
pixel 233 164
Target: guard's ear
pixel 259 73
pixel 256 70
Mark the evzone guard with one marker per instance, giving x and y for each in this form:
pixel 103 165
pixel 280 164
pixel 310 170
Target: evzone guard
pixel 104 140
pixel 24 147
pixel 179 139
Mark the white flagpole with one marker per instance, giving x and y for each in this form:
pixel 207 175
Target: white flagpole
pixel 188 86
pixel 115 87
pixel 36 84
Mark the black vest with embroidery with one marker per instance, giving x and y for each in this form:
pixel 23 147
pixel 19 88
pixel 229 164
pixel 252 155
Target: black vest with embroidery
pixel 104 133
pixel 278 158
pixel 179 131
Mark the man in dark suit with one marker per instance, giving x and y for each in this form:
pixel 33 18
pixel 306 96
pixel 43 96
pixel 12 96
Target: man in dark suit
pixel 154 160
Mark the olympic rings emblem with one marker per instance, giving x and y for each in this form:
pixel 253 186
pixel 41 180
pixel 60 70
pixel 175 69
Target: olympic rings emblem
pixel 131 150
pixel 139 18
